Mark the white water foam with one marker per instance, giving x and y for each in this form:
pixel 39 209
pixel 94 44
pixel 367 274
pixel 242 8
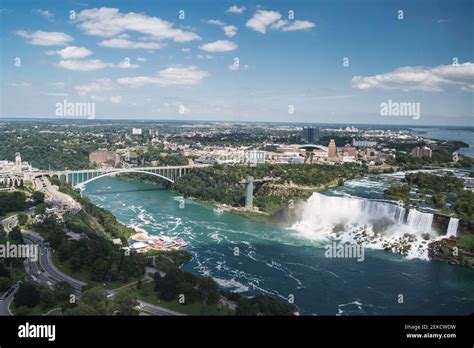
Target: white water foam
pixel 452 227
pixel 376 225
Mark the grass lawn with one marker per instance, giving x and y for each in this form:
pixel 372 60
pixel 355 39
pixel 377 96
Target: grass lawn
pixel 147 294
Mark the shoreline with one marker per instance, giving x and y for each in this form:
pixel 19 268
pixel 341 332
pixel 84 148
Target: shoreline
pixel 261 217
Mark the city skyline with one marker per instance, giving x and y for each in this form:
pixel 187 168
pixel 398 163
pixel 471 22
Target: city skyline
pixel 153 62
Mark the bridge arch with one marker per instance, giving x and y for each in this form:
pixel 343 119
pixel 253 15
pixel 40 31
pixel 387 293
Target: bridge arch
pixel 120 172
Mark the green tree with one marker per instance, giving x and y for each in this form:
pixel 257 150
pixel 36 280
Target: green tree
pixel 37 197
pixel 22 219
pixel 27 295
pixel 124 303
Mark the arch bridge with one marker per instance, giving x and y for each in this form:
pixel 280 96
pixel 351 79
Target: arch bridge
pixel 82 177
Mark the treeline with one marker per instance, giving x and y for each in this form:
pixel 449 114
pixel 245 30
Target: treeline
pixel 398 192
pixel 103 260
pixel 108 222
pixel 431 183
pixel 442 155
pixel 12 201
pixel 178 285
pixel 443 192
pixel 221 183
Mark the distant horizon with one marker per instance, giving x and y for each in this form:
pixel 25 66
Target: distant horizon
pixel 235 121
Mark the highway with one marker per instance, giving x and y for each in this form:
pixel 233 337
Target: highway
pixel 156 310
pixel 5 304
pixel 47 262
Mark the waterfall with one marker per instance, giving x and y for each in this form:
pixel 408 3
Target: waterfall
pixel 378 225
pixel 420 222
pixel 452 227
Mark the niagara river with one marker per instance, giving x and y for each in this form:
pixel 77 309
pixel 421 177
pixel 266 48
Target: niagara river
pixel 251 258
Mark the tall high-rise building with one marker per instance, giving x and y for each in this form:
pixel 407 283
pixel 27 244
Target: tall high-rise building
pixel 136 131
pixel 310 135
pixel 332 150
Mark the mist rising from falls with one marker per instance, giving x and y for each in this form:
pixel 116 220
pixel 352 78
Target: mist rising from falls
pixel 378 225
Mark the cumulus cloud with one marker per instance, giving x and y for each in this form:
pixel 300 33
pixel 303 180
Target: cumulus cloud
pixel 109 22
pixel 84 65
pixel 420 78
pixel 98 86
pixel 298 25
pixel 236 9
pixel 45 38
pixel 175 75
pixel 44 13
pixel 219 46
pixel 128 44
pixel 73 52
pixel 262 20
pixel 215 22
pixel 229 30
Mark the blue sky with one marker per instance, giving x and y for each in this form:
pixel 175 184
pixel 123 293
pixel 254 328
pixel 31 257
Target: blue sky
pixel 139 60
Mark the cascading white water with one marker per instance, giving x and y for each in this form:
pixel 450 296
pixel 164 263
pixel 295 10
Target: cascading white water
pixel 420 222
pixel 359 220
pixel 452 227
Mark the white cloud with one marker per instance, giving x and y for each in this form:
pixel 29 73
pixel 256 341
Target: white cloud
pixel 230 30
pixel 45 38
pixel 84 65
pixel 21 84
pixel 124 43
pixel 203 56
pixel 44 13
pixel 114 99
pixel 215 22
pixel 175 75
pixel 185 50
pixel 58 84
pixel 219 46
pixel 236 9
pixel 141 59
pixel 73 52
pixel 420 78
pixel 262 19
pixel 110 22
pixel 125 64
pixel 98 86
pixel 298 25
pixel 98 98
pixel 57 94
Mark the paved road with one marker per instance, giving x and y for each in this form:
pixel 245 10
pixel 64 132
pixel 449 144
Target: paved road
pixel 9 222
pixel 156 310
pixel 6 303
pixel 47 262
